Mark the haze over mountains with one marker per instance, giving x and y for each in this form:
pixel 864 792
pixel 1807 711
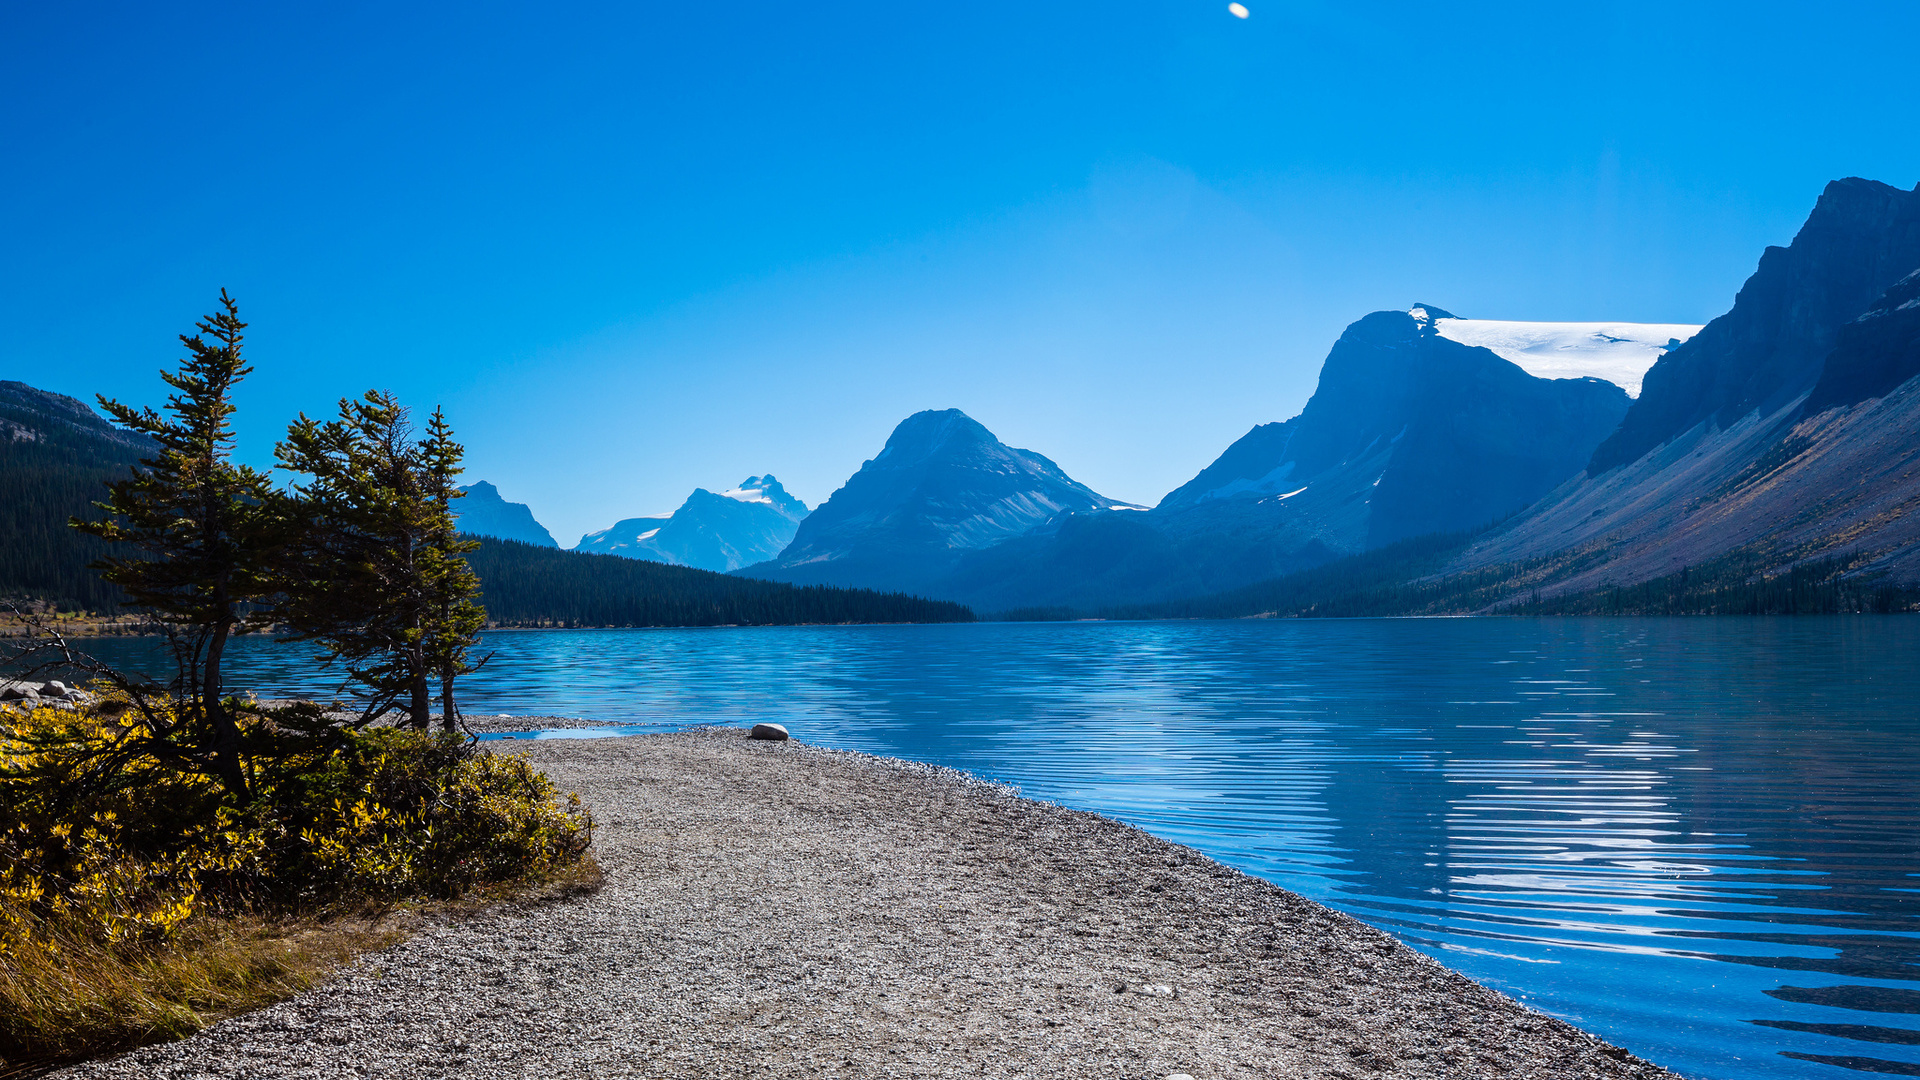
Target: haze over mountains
pixel 1410 432
pixel 721 531
pixel 1575 455
pixel 1609 453
pixel 1629 449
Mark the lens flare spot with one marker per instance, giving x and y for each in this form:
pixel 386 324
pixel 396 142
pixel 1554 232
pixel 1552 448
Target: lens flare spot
pixel 1238 11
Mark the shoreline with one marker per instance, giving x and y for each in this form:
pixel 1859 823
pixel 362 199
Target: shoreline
pixel 787 909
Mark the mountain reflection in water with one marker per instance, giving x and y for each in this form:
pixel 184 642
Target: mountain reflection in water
pixel 1699 838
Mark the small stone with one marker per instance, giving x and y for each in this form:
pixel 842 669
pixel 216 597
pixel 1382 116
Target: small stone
pixel 1179 1076
pixel 768 731
pixel 56 688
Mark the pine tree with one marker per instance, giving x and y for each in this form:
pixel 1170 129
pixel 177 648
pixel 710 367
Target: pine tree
pixel 456 616
pixel 377 579
pixel 206 531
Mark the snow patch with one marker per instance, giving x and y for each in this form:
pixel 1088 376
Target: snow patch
pixel 1619 353
pixel 1262 485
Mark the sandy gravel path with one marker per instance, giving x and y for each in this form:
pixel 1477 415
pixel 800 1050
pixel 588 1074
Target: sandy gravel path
pixel 777 910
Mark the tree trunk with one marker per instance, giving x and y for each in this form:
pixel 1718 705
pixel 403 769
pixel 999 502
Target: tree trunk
pixel 420 712
pixel 448 713
pixel 226 733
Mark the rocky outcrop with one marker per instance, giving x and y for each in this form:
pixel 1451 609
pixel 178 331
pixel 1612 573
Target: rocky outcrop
pixel 482 512
pixel 29 414
pixel 1801 421
pixel 1861 238
pixel 1874 353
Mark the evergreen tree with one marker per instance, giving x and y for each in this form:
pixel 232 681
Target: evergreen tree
pixel 377 578
pixel 456 617
pixel 204 531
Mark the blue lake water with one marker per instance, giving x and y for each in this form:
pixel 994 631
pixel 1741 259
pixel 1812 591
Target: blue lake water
pixel 1699 838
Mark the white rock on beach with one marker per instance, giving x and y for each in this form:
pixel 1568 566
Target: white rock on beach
pixel 769 731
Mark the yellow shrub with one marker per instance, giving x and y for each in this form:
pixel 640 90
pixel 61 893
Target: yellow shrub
pixel 120 860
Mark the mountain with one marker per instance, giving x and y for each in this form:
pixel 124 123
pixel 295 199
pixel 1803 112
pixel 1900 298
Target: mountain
pixel 1787 429
pixel 1861 237
pixel 738 527
pixel 1408 432
pixel 1415 428
pixel 484 513
pixel 942 486
pixel 56 455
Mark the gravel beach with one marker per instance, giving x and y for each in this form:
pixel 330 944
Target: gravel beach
pixel 774 909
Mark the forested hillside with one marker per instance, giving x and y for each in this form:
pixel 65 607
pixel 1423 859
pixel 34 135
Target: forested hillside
pixel 1404 579
pixel 525 585
pixel 56 456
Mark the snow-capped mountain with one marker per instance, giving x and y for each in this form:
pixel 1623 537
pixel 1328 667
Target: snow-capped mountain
pixel 1409 432
pixel 1789 425
pixel 942 486
pixel 482 512
pixel 750 523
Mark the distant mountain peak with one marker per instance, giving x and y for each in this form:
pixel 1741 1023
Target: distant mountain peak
pixel 767 490
pixel 483 512
pixel 1409 431
pixel 1427 314
pixel 749 523
pixel 942 484
pixel 931 433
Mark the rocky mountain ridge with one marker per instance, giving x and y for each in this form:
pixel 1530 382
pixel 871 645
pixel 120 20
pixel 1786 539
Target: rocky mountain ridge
pixel 942 486
pixel 1802 415
pixel 1408 432
pixel 723 531
pixel 482 511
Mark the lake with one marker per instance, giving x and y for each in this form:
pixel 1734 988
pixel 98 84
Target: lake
pixel 1699 838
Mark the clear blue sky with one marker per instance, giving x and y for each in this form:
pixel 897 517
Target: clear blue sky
pixel 638 248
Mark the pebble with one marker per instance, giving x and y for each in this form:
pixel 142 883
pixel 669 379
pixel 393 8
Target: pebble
pixel 774 732
pixel 822 913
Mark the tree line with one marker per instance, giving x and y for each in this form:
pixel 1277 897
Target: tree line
pixel 528 585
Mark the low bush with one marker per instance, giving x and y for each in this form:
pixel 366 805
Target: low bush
pixel 138 897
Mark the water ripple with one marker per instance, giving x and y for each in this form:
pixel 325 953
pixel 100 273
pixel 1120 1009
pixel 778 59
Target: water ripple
pixel 1659 829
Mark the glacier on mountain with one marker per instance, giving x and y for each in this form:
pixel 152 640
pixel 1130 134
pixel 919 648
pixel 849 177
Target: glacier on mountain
pixel 1617 352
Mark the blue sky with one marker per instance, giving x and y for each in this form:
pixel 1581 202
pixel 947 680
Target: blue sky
pixel 639 248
